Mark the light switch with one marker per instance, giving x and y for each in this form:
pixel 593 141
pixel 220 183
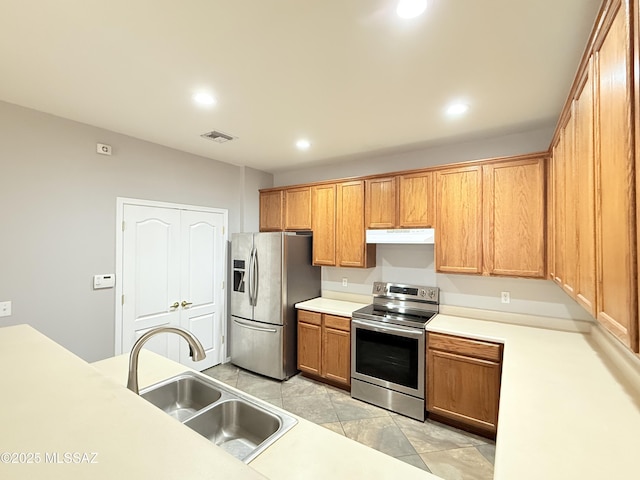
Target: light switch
pixel 107 280
pixel 5 309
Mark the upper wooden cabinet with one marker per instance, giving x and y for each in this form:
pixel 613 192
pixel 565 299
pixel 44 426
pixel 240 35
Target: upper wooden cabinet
pixel 490 218
pixel 513 198
pixel 585 286
pixel 401 201
pixel 616 241
pixel 351 248
pixel 271 205
pixel 323 204
pixel 297 208
pixel 459 220
pixel 415 200
pixel 381 203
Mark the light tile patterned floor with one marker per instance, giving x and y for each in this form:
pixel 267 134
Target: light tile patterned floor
pixel 445 451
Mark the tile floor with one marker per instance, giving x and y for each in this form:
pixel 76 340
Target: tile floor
pixel 445 451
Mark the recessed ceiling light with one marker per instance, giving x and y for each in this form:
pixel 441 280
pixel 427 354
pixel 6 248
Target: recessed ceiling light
pixel 457 108
pixel 303 144
pixel 203 98
pixel 411 8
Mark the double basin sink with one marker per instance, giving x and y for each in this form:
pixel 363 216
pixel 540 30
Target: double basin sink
pixel 241 425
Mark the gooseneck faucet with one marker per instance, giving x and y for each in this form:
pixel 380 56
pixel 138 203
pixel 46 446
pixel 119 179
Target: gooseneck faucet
pixel 196 351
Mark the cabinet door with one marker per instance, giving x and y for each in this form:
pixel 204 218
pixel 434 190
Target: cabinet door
pixel 514 218
pixel 309 342
pixel 380 198
pixel 585 292
pixel 351 249
pixel 615 221
pixel 570 201
pixel 271 204
pixel 462 388
pixel 323 202
pixel 558 213
pixel 458 246
pixel 336 355
pixel 297 208
pixel 415 200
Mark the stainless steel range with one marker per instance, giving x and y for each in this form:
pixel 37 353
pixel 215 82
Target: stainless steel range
pixel 388 347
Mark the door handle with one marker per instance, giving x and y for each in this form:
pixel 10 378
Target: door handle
pixel 175 305
pixel 185 304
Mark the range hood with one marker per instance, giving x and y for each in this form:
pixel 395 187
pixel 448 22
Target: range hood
pixel 413 235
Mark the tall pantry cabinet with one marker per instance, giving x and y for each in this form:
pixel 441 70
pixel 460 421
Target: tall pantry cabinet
pixel 592 229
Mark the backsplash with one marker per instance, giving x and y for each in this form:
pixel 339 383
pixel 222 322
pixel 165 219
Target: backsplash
pixel 415 264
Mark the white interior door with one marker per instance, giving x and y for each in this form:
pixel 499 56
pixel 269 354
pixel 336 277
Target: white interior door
pixel 202 268
pixel 151 276
pixel 173 270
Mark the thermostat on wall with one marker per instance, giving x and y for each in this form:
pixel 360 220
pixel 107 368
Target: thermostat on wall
pixel 104 281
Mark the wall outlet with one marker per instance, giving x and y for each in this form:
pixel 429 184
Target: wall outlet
pixel 345 281
pixel 506 297
pixel 5 309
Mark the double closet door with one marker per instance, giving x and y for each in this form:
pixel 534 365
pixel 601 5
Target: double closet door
pixel 173 266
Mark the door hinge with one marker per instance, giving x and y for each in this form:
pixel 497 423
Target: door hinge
pixel 123 225
pixel 122 300
pixel 223 284
pixel 222 230
pixel 222 339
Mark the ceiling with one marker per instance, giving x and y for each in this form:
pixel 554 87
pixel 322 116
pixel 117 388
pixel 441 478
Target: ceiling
pixel 349 75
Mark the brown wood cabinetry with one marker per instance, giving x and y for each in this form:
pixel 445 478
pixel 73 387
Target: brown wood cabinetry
pixel 271 205
pixel 490 218
pixel 381 203
pixel 323 205
pixel 351 247
pixel 297 208
pixel 401 201
pixel 513 198
pixel 415 200
pixel 463 381
pixel 585 286
pixel 324 346
pixel 459 220
pixel 617 296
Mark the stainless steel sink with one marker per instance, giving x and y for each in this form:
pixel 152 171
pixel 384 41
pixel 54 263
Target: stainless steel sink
pixel 182 396
pixel 241 425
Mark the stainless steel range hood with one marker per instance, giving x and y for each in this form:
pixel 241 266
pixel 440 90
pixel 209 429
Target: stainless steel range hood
pixel 402 236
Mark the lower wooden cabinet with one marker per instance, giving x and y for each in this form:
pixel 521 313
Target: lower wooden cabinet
pixel 324 346
pixel 463 382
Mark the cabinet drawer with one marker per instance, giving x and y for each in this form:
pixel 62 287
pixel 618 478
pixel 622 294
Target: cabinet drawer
pixel 466 346
pixel 338 323
pixel 309 317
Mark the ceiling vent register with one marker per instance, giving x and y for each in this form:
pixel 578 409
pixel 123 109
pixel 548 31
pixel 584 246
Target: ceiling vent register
pixel 218 137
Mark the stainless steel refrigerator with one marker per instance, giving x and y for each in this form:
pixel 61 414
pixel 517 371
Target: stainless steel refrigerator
pixel 271 273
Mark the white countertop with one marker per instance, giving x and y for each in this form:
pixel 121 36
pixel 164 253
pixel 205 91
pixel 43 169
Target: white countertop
pixel 54 403
pixel 565 412
pixel 330 306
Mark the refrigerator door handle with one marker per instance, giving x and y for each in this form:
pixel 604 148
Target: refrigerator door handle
pixel 250 282
pixel 251 327
pixel 256 272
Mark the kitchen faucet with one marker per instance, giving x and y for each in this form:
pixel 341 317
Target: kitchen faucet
pixel 196 351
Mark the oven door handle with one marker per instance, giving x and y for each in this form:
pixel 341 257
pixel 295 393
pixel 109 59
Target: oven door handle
pixel 412 332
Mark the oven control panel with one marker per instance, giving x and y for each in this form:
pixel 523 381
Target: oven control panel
pixel 396 290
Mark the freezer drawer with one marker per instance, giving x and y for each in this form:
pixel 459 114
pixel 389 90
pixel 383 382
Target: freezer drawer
pixel 258 347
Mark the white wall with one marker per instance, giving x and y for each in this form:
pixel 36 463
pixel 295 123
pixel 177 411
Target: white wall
pixel 415 263
pixel 58 211
pixel 253 181
pixel 536 140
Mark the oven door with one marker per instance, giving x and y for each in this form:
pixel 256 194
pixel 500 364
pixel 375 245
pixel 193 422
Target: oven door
pixel 389 356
